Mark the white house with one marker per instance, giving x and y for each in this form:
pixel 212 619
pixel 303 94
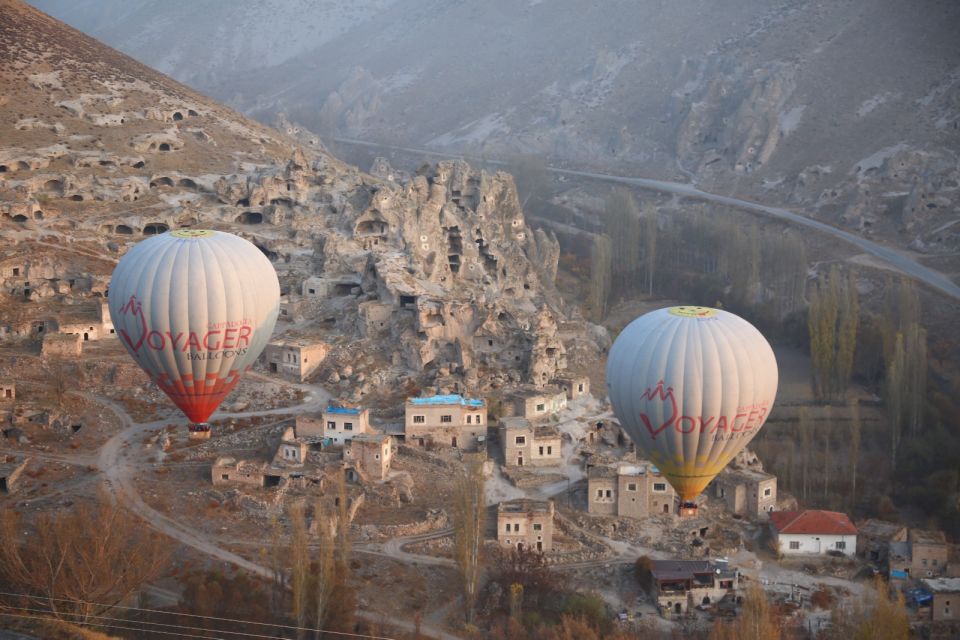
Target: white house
pixel 813 532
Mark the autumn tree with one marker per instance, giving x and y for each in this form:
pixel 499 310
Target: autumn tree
pixel 833 319
pixel 622 221
pixel 600 274
pixel 469 520
pixel 649 245
pixel 300 565
pixel 855 427
pixel 806 449
pixel 879 616
pixel 754 622
pixel 80 563
pixel 531 176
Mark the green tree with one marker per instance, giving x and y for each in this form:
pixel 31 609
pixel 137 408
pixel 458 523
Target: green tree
pixel 833 320
pixel 650 245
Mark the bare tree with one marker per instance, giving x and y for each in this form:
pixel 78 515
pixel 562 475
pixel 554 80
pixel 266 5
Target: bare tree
pixel 855 435
pixel 324 573
pixel 650 244
pixel 83 562
pixel 469 519
pixel 300 565
pixel 600 265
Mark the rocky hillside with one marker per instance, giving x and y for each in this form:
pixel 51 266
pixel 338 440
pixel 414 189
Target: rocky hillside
pixel 846 110
pixel 433 277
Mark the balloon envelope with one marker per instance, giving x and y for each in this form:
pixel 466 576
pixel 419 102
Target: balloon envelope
pixel 691 386
pixel 194 308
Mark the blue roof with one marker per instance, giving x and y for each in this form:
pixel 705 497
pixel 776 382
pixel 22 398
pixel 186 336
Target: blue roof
pixel 448 399
pixel 344 411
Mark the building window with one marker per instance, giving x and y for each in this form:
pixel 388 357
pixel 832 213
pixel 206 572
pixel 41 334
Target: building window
pixel 521 440
pixel 609 493
pixel 419 419
pixel 508 527
pixel 376 456
pixel 224 476
pixel 446 418
pixel 659 487
pixel 599 493
pixel 794 544
pixel 767 492
pixel 539 527
pixel 348 426
pixel 478 418
pixel 516 527
pixel 468 419
pixel 632 486
pixel 331 425
pixel 540 408
pixel 541 450
pixel 841 545
pixel 549 451
pixel 934 561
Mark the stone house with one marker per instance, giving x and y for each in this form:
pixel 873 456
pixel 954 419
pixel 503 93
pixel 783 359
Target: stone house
pixel 340 424
pixel 874 538
pixel 632 490
pixel 62 345
pixel 292 451
pixel 227 470
pixel 574 386
pixel 813 532
pixel 8 391
pixel 946 598
pixel 10 474
pixel 295 359
pixel 534 404
pixel 527 444
pixel 923 554
pixel 371 454
pixel 747 492
pixel 446 419
pixel 524 523
pixel 679 585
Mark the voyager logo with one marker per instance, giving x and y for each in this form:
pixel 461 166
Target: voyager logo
pixel 721 428
pixel 234 336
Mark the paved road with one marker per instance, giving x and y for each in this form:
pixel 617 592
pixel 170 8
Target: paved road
pixel 898 260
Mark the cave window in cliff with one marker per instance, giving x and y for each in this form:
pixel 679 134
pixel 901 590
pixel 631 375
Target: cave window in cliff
pixel 20 218
pixel 77 197
pixel 3 168
pixel 454 260
pixel 408 302
pixel 343 288
pixel 162 181
pixel 250 217
pixel 139 165
pixel 155 228
pixel 454 239
pixel 107 163
pixel 287 202
pixel 187 183
pixel 191 112
pixel 371 228
pixel 177 116
pixel 164 146
pixel 243 202
pixel 52 185
pixel 38 215
pixel 124 230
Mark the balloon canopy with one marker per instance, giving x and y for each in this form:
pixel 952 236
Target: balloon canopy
pixel 194 308
pixel 691 386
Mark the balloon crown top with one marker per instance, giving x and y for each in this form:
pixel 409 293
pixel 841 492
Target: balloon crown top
pixel 693 312
pixel 191 233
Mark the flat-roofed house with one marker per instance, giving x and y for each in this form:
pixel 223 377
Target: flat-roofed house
pixel 747 492
pixel 528 444
pixel 946 598
pixel 633 490
pixel 525 524
pixel 340 424
pixel 295 358
pixel 677 585
pixel 371 453
pixel 446 419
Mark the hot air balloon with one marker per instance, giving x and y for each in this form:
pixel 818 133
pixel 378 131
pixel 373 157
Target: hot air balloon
pixel 194 308
pixel 691 386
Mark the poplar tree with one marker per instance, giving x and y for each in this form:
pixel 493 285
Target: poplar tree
pixel 833 321
pixel 469 515
pixel 622 221
pixel 599 277
pixel 650 245
pixel 854 426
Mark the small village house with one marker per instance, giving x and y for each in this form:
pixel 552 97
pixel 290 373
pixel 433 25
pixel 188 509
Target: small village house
pixel 525 524
pixel 946 598
pixel 813 532
pixel 527 444
pixel 446 419
pixel 678 585
pixel 295 359
pixel 371 454
pixel 747 492
pixel 633 490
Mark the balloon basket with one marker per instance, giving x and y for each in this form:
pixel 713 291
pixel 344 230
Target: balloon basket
pixel 199 431
pixel 689 509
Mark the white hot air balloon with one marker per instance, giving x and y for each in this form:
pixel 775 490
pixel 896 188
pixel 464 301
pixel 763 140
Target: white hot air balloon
pixel 194 308
pixel 691 386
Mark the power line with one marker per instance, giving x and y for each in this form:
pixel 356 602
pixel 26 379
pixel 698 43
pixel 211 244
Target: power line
pixel 111 626
pixel 194 615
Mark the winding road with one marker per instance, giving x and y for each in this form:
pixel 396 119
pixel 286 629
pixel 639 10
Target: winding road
pixel 898 260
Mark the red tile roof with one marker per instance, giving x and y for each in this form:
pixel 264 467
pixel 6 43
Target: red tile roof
pixel 812 522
